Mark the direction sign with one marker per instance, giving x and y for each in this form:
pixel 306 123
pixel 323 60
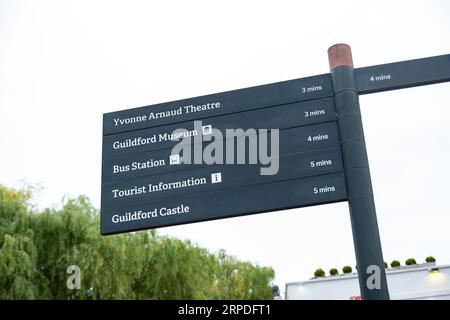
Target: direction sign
pixel 139 169
pixel 138 164
pixel 234 202
pixel 280 117
pixel 268 95
pixel 218 177
pixel 405 74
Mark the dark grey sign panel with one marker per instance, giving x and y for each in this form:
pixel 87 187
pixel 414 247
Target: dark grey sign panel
pixel 294 140
pixel 158 162
pixel 225 204
pixel 137 142
pixel 218 104
pixel 218 178
pixel 281 117
pixel 403 74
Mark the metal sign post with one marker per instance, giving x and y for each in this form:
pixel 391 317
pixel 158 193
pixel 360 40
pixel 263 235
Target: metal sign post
pixel 366 238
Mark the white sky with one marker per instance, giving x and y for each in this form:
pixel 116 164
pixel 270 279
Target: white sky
pixel 65 63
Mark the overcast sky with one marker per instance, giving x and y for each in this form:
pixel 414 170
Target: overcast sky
pixel 65 63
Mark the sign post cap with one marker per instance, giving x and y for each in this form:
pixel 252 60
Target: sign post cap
pixel 340 55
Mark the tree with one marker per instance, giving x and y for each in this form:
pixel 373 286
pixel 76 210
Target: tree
pixel 235 279
pixel 176 269
pixel 410 262
pixel 37 247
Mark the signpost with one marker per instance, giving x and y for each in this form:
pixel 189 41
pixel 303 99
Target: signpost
pixel 315 154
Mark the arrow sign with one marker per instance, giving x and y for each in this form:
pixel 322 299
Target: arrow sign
pixel 217 104
pixel 405 74
pixel 234 202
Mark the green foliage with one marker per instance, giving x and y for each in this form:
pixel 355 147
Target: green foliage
pixel 410 262
pixel 36 248
pixel 430 259
pixel 385 265
pixel 334 272
pixel 395 264
pixel 240 280
pixel 319 273
pixel 347 269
